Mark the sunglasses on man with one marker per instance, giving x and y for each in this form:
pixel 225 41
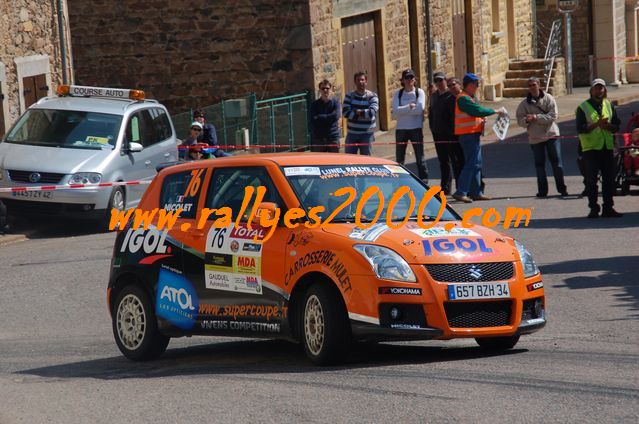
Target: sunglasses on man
pixel 196 129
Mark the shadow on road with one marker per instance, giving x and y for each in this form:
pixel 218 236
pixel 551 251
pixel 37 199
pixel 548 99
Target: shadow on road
pixel 618 273
pixel 629 220
pixel 255 357
pixel 54 228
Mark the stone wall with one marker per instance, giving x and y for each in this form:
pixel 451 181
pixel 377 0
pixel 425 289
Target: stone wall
pixel 189 53
pixel 28 29
pixel 441 31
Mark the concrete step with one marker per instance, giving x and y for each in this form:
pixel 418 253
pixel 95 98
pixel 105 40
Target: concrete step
pixel 525 73
pixel 518 65
pixel 514 92
pixel 523 82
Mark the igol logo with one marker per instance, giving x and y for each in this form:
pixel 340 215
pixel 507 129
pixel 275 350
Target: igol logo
pixel 445 245
pixel 177 301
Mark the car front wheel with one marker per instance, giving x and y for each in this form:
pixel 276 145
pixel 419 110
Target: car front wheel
pixel 325 327
pixel 135 327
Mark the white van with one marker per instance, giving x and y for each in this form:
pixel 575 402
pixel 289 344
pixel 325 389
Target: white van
pixel 85 135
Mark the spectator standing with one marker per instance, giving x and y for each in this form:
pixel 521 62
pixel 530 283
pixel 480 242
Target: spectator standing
pixel 538 113
pixel 409 104
pixel 597 122
pixel 360 110
pixel 325 114
pixel 441 120
pixel 469 125
pixel 208 135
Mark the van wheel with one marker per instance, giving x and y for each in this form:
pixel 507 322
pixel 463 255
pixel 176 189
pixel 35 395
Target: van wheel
pixel 498 343
pixel 325 327
pixel 135 327
pixel 116 201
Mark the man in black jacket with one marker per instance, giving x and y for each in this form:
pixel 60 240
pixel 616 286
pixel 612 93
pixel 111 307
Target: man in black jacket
pixel 441 119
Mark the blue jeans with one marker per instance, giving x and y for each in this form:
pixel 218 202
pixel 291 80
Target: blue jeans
pixel 553 149
pixel 469 182
pixel 365 148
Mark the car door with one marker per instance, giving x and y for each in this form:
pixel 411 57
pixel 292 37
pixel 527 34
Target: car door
pixel 241 296
pixel 182 275
pixel 138 165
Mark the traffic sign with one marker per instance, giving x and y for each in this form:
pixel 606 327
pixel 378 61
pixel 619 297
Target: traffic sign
pixel 568 5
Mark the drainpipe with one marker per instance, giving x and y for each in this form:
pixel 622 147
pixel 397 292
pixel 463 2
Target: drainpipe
pixel 63 44
pixel 429 55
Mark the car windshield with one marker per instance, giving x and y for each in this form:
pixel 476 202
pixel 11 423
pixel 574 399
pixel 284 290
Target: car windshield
pixel 66 128
pixel 316 185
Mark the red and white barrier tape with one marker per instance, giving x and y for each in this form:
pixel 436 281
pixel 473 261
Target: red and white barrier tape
pixel 72 186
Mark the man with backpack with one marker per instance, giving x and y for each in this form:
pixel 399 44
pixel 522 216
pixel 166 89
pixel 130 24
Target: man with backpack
pixel 408 108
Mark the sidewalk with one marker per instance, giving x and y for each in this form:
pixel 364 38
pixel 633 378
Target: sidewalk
pixel 566 105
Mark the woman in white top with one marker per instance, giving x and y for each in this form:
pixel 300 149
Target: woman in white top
pixel 409 104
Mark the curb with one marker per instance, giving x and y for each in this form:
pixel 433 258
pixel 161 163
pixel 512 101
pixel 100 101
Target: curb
pixel 12 238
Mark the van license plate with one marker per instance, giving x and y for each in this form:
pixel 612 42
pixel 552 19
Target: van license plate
pixel 33 194
pixel 478 291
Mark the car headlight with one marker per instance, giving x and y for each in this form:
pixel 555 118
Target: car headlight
pixel 386 263
pixel 527 261
pixel 85 178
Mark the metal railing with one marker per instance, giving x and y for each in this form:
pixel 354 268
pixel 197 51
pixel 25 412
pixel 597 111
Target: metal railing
pixel 277 121
pixel 553 49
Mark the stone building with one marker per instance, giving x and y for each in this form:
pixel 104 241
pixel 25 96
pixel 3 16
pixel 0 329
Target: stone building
pixel 30 54
pixel 604 34
pixel 190 53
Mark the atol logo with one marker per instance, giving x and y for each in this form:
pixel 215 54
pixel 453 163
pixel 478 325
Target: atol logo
pixel 177 301
pixel 446 245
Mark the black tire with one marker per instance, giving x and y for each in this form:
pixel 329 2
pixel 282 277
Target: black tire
pixel 498 343
pixel 114 202
pixel 326 340
pixel 132 308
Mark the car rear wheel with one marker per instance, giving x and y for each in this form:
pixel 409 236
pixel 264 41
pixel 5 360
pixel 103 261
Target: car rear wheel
pixel 498 343
pixel 325 328
pixel 135 326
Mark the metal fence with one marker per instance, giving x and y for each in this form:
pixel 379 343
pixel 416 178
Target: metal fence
pixel 280 122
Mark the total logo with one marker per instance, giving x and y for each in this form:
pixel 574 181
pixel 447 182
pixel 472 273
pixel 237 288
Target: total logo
pixel 177 301
pixel 446 245
pixel 152 242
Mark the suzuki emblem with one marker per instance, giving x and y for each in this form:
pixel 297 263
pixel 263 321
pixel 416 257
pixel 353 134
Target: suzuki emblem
pixel 35 177
pixel 475 272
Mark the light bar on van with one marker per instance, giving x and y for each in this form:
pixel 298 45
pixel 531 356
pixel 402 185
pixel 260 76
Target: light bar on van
pixel 83 91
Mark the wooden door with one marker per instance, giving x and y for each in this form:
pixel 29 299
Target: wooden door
pixel 34 88
pixel 460 59
pixel 358 47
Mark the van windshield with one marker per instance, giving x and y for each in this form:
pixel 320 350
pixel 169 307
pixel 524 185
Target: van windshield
pixel 66 128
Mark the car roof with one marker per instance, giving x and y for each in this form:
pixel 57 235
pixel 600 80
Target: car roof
pixel 91 104
pixel 288 159
pixel 282 159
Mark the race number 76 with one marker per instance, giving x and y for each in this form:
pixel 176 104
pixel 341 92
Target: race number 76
pixel 218 237
pixel 194 183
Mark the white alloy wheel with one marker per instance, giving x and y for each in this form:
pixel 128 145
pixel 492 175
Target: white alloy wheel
pixel 117 201
pixel 314 325
pixel 131 322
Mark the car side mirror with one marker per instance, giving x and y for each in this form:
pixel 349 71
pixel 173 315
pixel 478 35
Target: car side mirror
pixel 269 209
pixel 134 147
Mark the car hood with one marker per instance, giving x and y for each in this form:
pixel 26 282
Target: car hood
pixel 51 159
pixel 435 245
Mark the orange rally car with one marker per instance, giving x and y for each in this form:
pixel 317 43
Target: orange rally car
pixel 323 287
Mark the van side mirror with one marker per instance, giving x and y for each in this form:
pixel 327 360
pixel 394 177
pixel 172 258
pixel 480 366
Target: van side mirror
pixel 134 147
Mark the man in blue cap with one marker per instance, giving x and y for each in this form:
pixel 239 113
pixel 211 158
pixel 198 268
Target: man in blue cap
pixel 469 125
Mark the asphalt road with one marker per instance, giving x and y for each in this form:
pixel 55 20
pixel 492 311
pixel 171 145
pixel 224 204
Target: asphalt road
pixel 59 362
